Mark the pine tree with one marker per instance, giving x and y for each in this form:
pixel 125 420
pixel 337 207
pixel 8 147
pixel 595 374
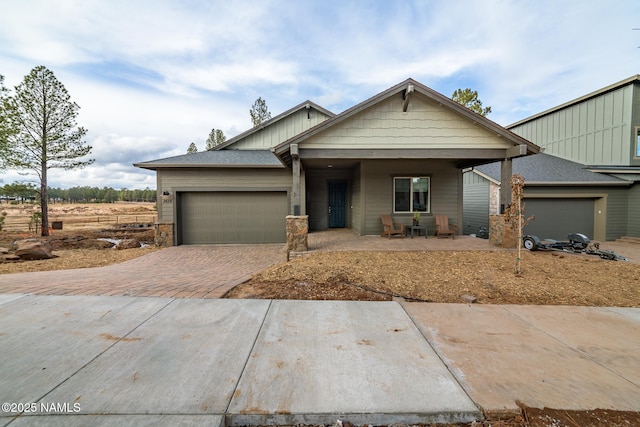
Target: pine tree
pixel 259 112
pixel 44 134
pixel 216 137
pixel 469 98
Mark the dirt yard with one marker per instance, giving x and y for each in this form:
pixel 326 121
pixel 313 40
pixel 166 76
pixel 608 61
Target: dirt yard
pixel 77 245
pixel 546 278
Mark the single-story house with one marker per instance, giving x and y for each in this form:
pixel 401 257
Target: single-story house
pixel 563 197
pixel 601 132
pixel 399 152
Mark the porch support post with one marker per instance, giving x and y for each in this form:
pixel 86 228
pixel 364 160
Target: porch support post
pixel 505 178
pixel 296 190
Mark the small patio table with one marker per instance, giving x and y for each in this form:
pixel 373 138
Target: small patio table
pixel 417 228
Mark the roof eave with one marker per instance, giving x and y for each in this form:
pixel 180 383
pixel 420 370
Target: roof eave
pixel 578 183
pixel 208 165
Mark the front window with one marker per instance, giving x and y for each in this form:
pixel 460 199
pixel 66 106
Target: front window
pixel 638 142
pixel 411 194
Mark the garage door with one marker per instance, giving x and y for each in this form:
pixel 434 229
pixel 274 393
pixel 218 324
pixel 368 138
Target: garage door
pixel 556 218
pixel 232 217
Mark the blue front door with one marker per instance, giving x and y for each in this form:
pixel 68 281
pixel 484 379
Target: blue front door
pixel 337 204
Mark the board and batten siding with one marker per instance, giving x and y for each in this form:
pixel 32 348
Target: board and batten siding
pixel 280 131
pixel 634 211
pixel 377 176
pixel 356 200
pixel 476 197
pixel 598 131
pixel 425 125
pixel 196 179
pixel 635 124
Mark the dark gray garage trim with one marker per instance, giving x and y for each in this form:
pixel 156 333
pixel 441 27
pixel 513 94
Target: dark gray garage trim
pixel 215 217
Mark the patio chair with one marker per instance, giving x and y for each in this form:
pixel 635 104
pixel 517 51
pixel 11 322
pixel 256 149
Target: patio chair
pixel 443 228
pixel 389 228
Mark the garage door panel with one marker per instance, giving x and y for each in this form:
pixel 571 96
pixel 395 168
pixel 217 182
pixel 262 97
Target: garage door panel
pixel 233 217
pixel 556 218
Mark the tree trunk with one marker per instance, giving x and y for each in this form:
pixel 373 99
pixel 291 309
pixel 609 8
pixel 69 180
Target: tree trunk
pixel 44 195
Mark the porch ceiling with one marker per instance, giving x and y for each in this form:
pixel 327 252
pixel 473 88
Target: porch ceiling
pixel 330 163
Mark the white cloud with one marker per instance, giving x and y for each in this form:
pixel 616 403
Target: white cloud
pixel 151 76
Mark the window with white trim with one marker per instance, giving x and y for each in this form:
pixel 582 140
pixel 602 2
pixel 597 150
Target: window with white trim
pixel 411 194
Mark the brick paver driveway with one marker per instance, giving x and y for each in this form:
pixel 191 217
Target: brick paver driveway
pixel 175 272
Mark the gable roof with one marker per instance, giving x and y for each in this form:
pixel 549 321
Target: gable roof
pixel 545 169
pixel 303 105
pixel 615 86
pixel 217 159
pixel 407 87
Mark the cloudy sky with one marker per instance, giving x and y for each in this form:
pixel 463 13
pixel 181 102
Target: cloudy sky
pixel 152 76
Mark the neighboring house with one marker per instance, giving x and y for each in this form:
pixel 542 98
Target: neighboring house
pixel 602 131
pixel 563 196
pixel 399 152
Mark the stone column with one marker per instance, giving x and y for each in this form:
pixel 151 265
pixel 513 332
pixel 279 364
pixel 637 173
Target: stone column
pixel 163 235
pixel 500 232
pixel 297 233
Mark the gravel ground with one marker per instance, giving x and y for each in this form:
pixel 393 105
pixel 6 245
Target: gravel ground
pixel 549 278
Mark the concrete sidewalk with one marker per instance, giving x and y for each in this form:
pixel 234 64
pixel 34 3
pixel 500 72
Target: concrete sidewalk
pixel 98 360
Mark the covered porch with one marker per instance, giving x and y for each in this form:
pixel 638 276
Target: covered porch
pixel 353 193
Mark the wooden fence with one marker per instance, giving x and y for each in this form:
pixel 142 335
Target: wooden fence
pixel 23 223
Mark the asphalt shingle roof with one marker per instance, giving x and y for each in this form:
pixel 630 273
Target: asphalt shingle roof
pixel 219 159
pixel 545 168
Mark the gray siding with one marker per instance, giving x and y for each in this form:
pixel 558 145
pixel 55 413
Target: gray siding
pixel 425 125
pixel 596 132
pixel 634 211
pixel 475 203
pixel 280 131
pixel 635 122
pixel 356 200
pixel 173 180
pixel 378 185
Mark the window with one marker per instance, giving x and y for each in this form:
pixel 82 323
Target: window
pixel 411 194
pixel 638 142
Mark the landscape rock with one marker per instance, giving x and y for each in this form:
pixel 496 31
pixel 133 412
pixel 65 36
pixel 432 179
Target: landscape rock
pixel 10 257
pixel 128 244
pixel 32 249
pixel 4 251
pixel 469 299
